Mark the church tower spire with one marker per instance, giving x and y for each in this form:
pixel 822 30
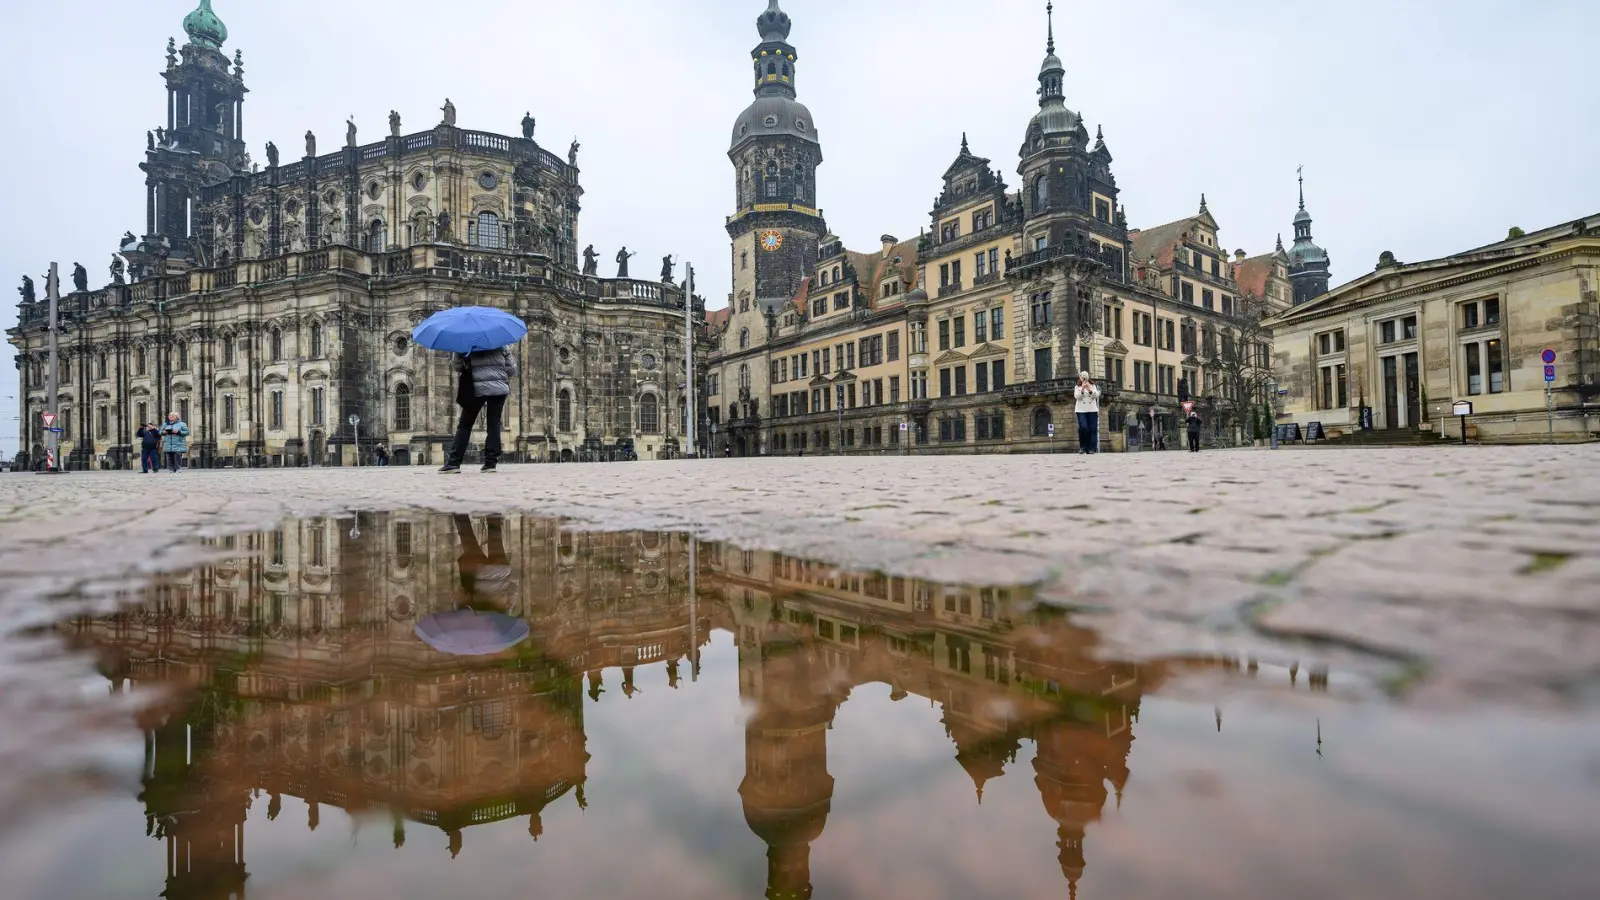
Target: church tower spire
pixel 1308 264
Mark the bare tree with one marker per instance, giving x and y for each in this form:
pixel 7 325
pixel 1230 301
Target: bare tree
pixel 1244 363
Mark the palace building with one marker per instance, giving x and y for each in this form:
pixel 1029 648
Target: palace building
pixel 969 337
pixel 272 307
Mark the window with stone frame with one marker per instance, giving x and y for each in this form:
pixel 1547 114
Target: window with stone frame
pixel 1483 364
pixel 990 426
pixel 1041 422
pixel 402 407
pixel 275 411
pixel 649 414
pixel 1332 389
pixel 953 429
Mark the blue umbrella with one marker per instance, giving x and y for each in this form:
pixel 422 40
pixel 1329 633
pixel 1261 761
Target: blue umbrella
pixel 468 328
pixel 465 632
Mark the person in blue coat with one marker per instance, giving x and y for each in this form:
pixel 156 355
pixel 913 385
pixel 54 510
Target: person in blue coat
pixel 174 441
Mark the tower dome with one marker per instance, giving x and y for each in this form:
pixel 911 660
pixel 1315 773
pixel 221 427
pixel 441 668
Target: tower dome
pixel 204 28
pixel 774 23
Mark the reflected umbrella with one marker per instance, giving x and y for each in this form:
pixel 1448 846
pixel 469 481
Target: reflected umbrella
pixel 468 632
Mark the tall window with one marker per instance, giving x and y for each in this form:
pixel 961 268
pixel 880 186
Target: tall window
pixel 318 396
pixel 183 356
pixel 1042 369
pixel 142 412
pixel 744 377
pixel 66 424
pixel 275 420
pixel 1041 193
pixel 377 236
pixel 564 410
pixel 1041 421
pixel 402 408
pixel 316 340
pixel 100 366
pixel 744 339
pixel 183 409
pixel 277 345
pixel 649 415
pixel 141 362
pixel 486 231
pixel 1485 365
pixel 894 346
pixel 229 351
pixel 1041 310
pixel 1332 393
pixel 228 410
pixel 102 424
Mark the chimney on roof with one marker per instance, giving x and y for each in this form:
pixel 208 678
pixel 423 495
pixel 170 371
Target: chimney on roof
pixel 889 241
pixel 1238 255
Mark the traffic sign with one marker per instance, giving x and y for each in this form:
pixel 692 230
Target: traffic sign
pixel 49 419
pixel 1051 428
pixel 1188 406
pixel 905 426
pixel 1549 373
pixel 1549 356
pixel 355 420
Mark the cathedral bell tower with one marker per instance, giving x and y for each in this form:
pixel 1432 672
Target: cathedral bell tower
pixel 776 225
pixel 203 141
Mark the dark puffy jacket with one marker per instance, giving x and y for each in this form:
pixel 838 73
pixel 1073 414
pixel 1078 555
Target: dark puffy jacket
pixel 491 371
pixel 149 438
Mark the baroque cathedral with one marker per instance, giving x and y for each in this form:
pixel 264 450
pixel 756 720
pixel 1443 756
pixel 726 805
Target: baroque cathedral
pixel 969 337
pixel 272 307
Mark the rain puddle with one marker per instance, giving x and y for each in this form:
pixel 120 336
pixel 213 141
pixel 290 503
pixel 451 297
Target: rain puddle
pixel 423 705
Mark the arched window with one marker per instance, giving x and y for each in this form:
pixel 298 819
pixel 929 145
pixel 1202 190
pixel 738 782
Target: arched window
pixel 786 70
pixel 823 281
pixel 277 345
pixel 1041 192
pixel 1041 422
pixel 564 410
pixel 316 340
pixel 744 377
pixel 402 408
pixel 649 415
pixel 377 236
pixel 487 232
pixel 744 339
pixel 771 69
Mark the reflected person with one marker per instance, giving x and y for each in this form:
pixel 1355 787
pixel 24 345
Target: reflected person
pixel 486 582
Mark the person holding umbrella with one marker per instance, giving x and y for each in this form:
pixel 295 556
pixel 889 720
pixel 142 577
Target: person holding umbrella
pixel 480 337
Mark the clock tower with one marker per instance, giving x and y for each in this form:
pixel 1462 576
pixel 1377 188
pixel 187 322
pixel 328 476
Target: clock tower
pixel 776 224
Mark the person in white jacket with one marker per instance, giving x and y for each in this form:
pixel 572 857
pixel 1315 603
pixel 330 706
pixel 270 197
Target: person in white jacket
pixel 1088 409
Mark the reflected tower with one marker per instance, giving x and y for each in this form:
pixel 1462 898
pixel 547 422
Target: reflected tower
pixel 785 682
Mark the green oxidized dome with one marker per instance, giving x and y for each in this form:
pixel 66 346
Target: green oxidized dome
pixel 204 28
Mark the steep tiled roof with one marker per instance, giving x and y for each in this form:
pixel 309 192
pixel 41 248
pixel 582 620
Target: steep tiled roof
pixel 718 318
pixel 871 269
pixel 1159 241
pixel 1252 274
pixel 801 295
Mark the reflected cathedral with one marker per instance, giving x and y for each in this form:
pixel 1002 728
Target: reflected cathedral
pixel 299 674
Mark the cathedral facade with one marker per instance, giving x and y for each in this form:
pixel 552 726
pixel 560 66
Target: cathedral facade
pixel 271 307
pixel 969 338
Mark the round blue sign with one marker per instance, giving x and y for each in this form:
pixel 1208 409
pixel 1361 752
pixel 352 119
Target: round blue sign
pixel 1549 356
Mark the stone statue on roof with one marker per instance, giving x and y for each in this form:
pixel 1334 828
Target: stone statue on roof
pixel 591 261
pixel 394 123
pixel 666 268
pixel 311 143
pixel 528 123
pixel 272 154
pixel 26 290
pixel 350 132
pixel 449 112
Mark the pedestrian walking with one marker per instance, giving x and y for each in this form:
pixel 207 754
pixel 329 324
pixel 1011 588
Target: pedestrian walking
pixel 174 441
pixel 1088 410
pixel 382 453
pixel 483 380
pixel 149 448
pixel 1193 425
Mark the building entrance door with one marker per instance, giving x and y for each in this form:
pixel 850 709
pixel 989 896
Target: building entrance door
pixel 1413 391
pixel 1391 392
pixel 1402 391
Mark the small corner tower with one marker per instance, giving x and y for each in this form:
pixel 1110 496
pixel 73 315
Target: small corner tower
pixel 1308 264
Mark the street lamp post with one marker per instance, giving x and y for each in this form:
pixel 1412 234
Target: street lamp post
pixel 52 447
pixel 839 397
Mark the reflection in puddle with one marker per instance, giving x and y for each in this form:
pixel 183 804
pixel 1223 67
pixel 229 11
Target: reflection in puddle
pixel 453 674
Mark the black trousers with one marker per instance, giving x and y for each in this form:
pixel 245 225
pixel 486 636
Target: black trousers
pixel 1194 442
pixel 469 417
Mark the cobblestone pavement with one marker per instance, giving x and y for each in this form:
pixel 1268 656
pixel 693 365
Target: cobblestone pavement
pixel 1443 575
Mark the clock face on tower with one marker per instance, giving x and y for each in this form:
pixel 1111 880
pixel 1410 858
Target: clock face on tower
pixel 771 240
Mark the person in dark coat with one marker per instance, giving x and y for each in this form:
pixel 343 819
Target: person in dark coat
pixel 149 448
pixel 1193 425
pixel 483 380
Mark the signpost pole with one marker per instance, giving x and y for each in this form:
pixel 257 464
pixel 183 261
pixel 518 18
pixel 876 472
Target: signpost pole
pixel 1549 358
pixel 689 419
pixel 52 446
pixel 1463 431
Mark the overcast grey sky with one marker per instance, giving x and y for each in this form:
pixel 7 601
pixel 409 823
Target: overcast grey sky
pixel 1425 126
